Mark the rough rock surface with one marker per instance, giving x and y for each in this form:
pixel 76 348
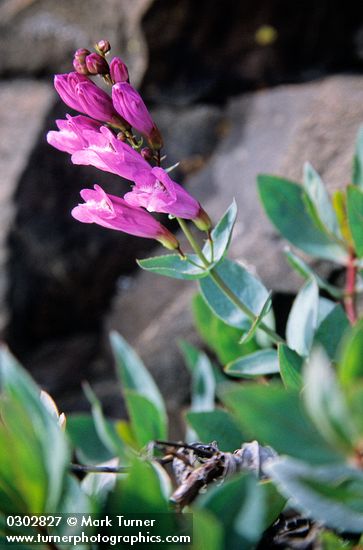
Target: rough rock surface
pixel 20 122
pixel 40 36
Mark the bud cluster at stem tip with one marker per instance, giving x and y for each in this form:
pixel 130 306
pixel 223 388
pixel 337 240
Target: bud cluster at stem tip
pixel 104 139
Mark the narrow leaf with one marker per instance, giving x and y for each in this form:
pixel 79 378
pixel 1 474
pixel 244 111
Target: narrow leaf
pixel 172 265
pixel 290 367
pixel 221 235
pixel 285 205
pixel 303 319
pixel 259 363
pixel 355 217
pixel 249 290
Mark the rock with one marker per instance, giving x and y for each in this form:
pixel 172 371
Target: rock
pixel 271 131
pixel 51 31
pixel 23 108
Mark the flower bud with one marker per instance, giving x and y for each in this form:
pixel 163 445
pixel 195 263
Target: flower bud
pixel 118 70
pixel 79 61
pixel 202 220
pixel 147 153
pixel 96 64
pixel 81 53
pixel 103 46
pixel 129 104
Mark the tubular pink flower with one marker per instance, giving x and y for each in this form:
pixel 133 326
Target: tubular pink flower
pixel 157 192
pixel 129 104
pixel 74 133
pixel 81 94
pixel 108 153
pixel 118 70
pixel 114 213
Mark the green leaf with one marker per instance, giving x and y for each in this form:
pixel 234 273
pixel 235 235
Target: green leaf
pixel 207 531
pixel 220 337
pixel 355 217
pixel 351 365
pixel 203 379
pixel 217 425
pixel 245 286
pixel 146 420
pixel 34 453
pixel 357 172
pixel 140 492
pixel 332 495
pixel 259 363
pixel 326 405
pixel 320 202
pixel 330 541
pixel 290 367
pixel 305 271
pixel 83 435
pixel 221 235
pixel 303 319
pixel 172 265
pixel 134 375
pixel 275 417
pixel 331 330
pixel 266 308
pixel 105 430
pixel 244 508
pixel 285 205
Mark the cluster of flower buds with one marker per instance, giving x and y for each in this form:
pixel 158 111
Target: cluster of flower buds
pixel 104 139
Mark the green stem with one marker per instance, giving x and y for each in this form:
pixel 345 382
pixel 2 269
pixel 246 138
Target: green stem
pixel 222 285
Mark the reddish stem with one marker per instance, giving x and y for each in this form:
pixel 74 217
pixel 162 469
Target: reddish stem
pixel 350 291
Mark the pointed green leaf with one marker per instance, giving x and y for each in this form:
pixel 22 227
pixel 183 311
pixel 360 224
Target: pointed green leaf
pixel 290 367
pixel 326 404
pixel 132 372
pixel 331 330
pixel 88 446
pixel 249 290
pixel 266 308
pixel 332 495
pixel 146 420
pixel 221 338
pixel 323 211
pixel 106 431
pixel 355 217
pixel 221 235
pixel 285 205
pixel 351 365
pixel 357 172
pixel 136 380
pixel 172 265
pixel 259 363
pixel 303 319
pixel 217 425
pixel 203 379
pixel 275 417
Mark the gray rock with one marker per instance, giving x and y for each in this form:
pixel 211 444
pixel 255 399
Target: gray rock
pixel 23 107
pixel 39 37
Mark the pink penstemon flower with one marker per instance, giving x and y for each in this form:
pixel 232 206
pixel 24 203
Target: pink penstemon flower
pixel 110 154
pixel 115 213
pixel 129 104
pixel 74 133
pixel 81 94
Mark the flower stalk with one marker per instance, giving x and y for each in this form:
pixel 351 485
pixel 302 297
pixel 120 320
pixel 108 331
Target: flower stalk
pixel 222 285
